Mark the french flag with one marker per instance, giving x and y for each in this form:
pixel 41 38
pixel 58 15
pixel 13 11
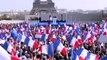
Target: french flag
pixel 69 31
pixel 95 25
pixel 105 31
pixel 104 25
pixel 7 29
pixel 104 58
pixel 66 27
pixel 48 49
pixel 53 38
pixel 30 26
pixel 51 50
pixel 63 38
pixel 73 41
pixel 44 37
pixel 2 41
pixel 38 35
pixel 42 29
pixel 74 56
pixel 14 33
pixel 74 25
pixel 59 47
pixel 82 53
pixel 5 56
pixel 8 47
pixel 89 38
pixel 40 32
pixel 77 30
pixel 79 38
pixel 30 42
pixel 23 28
pixel 21 37
pixel 48 30
pixel 96 31
pixel 44 49
pixel 91 56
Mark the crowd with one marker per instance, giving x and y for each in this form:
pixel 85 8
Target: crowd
pixel 54 42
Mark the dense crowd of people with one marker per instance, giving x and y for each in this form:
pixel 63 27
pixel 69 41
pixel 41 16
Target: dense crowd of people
pixel 86 35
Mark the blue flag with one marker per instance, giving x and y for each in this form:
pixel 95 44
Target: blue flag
pixel 50 50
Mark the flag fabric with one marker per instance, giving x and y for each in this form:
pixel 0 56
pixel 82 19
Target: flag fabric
pixel 105 31
pixel 35 45
pixel 77 30
pixel 47 49
pixel 73 41
pixel 1 36
pixel 22 28
pixel 8 47
pixel 48 30
pixel 64 37
pixel 74 56
pixel 30 26
pixel 102 38
pixel 104 58
pixel 79 39
pixel 5 56
pixel 41 29
pixel 51 50
pixel 38 35
pixel 53 38
pixel 29 41
pixel 82 53
pixel 44 37
pixel 14 33
pixel 89 38
pixel 7 29
pixel 2 41
pixel 65 28
pixel 91 56
pixel 21 37
pixel 69 31
pixel 59 47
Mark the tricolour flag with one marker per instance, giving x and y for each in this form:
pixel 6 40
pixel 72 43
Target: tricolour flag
pixel 73 41
pixel 8 47
pixel 44 37
pixel 47 49
pixel 51 50
pixel 53 38
pixel 30 42
pixel 5 56
pixel 14 33
pixel 91 56
pixel 74 56
pixel 82 53
pixel 21 37
pixel 59 47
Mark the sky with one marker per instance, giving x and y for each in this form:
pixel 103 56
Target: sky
pixel 8 5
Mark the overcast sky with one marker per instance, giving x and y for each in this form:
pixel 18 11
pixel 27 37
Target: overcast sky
pixel 7 5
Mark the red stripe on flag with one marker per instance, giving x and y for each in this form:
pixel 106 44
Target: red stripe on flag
pixel 64 51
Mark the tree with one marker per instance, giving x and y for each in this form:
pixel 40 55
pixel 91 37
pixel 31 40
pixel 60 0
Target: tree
pixel 5 17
